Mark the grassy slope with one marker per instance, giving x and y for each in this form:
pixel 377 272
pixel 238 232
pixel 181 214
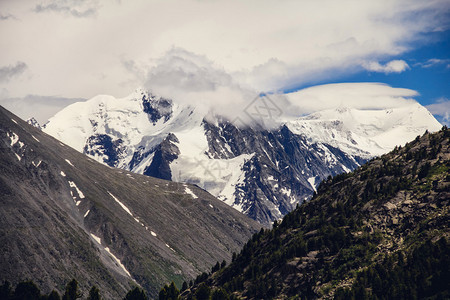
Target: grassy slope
pixel 46 237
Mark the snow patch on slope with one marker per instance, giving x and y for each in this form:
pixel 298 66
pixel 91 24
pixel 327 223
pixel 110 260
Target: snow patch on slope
pixel 188 191
pixel 14 138
pixel 121 204
pixel 36 165
pixel 312 182
pixel 73 185
pixel 96 238
pixel 118 262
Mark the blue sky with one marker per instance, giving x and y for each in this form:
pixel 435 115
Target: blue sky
pixel 428 73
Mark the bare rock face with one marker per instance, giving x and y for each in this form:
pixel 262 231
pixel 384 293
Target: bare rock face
pixel 376 232
pixel 64 216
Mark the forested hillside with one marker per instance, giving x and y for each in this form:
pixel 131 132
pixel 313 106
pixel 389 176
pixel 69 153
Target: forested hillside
pixel 380 232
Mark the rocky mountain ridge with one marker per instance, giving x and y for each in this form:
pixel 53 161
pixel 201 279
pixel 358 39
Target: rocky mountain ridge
pixel 64 216
pixel 378 232
pixel 264 173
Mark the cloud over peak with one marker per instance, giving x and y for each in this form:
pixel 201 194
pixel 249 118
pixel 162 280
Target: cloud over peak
pixel 265 45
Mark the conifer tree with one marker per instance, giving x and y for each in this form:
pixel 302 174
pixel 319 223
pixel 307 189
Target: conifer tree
pixel 5 290
pixel 53 296
pixel 220 294
pixel 135 294
pixel 169 292
pixel 203 292
pixel 184 286
pixel 27 290
pixel 94 294
pixel 72 292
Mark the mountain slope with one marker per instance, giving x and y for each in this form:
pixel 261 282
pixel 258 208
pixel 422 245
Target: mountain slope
pixel 64 215
pixel 366 133
pixel 263 173
pixel 380 231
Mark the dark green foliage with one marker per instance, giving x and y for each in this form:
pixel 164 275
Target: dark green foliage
pixel 203 292
pixel 425 274
pixel 184 286
pixel 169 292
pixel 72 292
pixel 215 268
pixel 53 296
pixel 424 170
pixel 201 278
pixel 27 290
pixel 135 294
pixel 220 294
pixel 5 290
pixel 94 293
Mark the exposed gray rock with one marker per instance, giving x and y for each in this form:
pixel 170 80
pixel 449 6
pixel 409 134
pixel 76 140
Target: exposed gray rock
pixel 64 216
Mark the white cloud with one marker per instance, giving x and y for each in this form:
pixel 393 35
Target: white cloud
pixel 4 17
pixel 11 71
pixel 192 79
pixel 356 95
pixel 263 44
pixel 74 8
pixel 432 62
pixel 394 66
pixel 441 110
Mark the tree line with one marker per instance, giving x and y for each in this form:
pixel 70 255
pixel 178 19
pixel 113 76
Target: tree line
pixel 28 290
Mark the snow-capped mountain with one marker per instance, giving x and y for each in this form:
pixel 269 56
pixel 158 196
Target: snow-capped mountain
pixel 262 172
pixel 366 133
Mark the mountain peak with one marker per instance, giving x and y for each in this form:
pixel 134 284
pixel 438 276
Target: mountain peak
pixel 366 132
pixel 264 172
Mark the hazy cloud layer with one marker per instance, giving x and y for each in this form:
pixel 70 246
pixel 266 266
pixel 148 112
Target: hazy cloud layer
pixel 441 109
pixel 4 17
pixel 75 8
pixel 39 107
pixel 11 71
pixel 192 79
pixel 262 44
pixel 188 78
pixel 356 95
